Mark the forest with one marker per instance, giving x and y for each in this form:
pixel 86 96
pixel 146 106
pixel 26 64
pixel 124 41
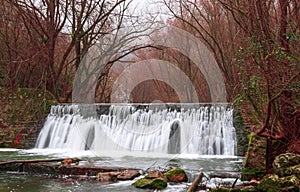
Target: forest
pixel 255 44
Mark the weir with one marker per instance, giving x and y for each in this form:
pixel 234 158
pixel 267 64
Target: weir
pixel 204 129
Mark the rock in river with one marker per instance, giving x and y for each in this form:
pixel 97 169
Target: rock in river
pixel 154 180
pixel 176 175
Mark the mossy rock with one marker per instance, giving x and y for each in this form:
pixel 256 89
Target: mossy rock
pixel 287 164
pixel 22 110
pixel 294 170
pixel 255 162
pixel 249 173
pixel 241 133
pixel 256 151
pixel 176 175
pixel 273 183
pixel 154 183
pixel 249 189
pixel 154 180
pixel 223 189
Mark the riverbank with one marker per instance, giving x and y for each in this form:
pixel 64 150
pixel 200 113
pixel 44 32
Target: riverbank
pixel 22 114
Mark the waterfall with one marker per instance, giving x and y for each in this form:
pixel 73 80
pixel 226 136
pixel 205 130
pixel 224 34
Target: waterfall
pixel 205 129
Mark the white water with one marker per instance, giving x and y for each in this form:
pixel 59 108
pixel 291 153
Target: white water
pixel 202 130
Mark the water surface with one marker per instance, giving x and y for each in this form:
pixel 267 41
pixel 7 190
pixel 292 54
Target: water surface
pixel 193 164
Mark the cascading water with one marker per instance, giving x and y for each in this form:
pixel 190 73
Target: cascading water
pixel 185 128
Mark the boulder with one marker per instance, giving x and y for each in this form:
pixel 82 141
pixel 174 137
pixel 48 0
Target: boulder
pixel 128 175
pixel 154 180
pixel 252 173
pixel 293 170
pixel 108 177
pixel 255 162
pixel 273 183
pixel 176 175
pixel 287 164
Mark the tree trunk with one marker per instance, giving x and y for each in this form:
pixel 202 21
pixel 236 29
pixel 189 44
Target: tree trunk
pixel 195 183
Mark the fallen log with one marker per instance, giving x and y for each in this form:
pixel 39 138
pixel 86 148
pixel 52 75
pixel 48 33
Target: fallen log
pixel 90 170
pixel 195 183
pixel 31 161
pixel 46 166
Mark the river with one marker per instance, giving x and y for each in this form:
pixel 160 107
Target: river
pixel 193 164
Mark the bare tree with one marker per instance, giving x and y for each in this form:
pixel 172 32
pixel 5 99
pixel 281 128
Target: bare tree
pixel 208 21
pixel 269 73
pixel 46 19
pixel 81 22
pixel 256 44
pixel 127 35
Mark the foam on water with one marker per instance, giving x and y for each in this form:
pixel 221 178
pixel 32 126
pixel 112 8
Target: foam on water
pixel 9 149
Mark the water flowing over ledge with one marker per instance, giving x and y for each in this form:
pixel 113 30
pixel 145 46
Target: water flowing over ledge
pixel 204 129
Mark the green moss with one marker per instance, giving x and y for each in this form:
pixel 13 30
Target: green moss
pixel 241 132
pixel 272 183
pixel 286 160
pixel 249 189
pixel 154 180
pixel 158 184
pixel 287 164
pixel 20 110
pixel 175 171
pixel 293 170
pixel 249 173
pixel 255 162
pixel 154 183
pixel 176 175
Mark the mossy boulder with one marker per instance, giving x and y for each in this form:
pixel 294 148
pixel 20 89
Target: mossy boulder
pixel 176 175
pixel 250 173
pixel 249 189
pixel 154 180
pixel 155 183
pixel 255 162
pixel 287 164
pixel 273 183
pixel 293 170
